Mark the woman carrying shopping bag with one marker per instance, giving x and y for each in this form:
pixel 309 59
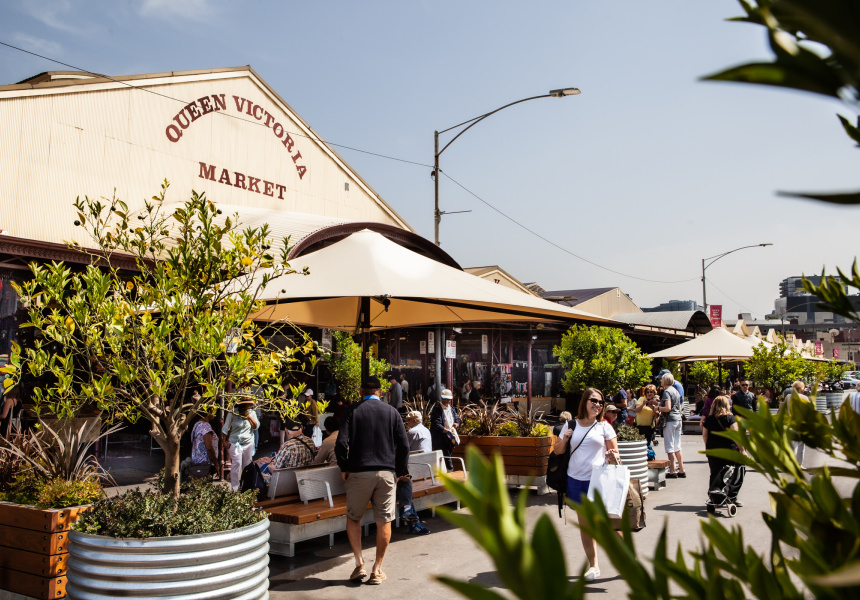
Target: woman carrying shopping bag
pixel 592 442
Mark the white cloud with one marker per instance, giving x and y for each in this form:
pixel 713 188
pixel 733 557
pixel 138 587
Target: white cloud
pixel 53 13
pixel 38 45
pixel 190 9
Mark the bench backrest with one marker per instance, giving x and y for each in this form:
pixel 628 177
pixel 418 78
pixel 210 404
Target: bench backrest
pixel 425 464
pixel 314 484
pixel 282 483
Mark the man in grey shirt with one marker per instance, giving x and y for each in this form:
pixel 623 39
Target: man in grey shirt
pixel 404 385
pixel 395 393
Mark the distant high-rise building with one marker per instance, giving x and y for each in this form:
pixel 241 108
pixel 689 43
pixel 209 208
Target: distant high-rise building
pixel 796 305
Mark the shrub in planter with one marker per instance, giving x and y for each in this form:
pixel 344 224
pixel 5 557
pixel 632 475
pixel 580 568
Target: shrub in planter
pixel 628 433
pixel 31 490
pixel 508 429
pixel 539 430
pixel 200 508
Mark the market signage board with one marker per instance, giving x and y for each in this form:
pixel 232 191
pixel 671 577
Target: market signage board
pixel 450 349
pixel 431 346
pixel 484 345
pixel 716 314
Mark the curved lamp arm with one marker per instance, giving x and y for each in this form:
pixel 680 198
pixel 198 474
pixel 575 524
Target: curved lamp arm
pixel 474 121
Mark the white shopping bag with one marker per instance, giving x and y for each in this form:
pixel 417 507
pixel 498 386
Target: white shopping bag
pixel 612 482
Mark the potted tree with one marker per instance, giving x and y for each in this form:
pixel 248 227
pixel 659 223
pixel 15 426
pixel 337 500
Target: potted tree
pixel 603 358
pixel 776 368
pixel 139 343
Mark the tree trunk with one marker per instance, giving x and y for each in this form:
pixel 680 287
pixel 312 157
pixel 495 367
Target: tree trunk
pixel 171 467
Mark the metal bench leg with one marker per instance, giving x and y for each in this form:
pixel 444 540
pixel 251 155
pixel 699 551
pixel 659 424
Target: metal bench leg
pixel 458 505
pixel 292 550
pixel 433 512
pixel 365 530
pixel 330 540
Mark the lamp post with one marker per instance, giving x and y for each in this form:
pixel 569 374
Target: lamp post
pixel 714 259
pixel 437 214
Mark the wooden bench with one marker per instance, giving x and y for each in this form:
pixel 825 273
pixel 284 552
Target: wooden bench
pixel 692 427
pixel 309 503
pixel 657 474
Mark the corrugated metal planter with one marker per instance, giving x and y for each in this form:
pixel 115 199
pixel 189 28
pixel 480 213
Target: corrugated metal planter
pixel 635 456
pixel 228 565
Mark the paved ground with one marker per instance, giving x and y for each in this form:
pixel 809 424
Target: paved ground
pixel 319 572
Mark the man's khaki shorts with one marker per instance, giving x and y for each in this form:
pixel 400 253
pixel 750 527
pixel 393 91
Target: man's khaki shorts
pixel 376 487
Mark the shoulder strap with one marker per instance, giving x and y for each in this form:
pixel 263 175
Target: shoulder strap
pixel 583 437
pixel 305 444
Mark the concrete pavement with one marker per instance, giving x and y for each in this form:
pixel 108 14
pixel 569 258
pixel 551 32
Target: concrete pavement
pixel 320 572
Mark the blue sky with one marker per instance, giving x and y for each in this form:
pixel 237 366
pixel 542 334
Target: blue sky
pixel 645 173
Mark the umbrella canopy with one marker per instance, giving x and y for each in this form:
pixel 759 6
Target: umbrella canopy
pixel 401 288
pixel 717 344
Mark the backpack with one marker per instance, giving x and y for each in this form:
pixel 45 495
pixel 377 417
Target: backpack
pixel 556 468
pixel 651 454
pixel 252 479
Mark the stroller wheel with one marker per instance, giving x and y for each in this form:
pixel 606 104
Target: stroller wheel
pixel 733 510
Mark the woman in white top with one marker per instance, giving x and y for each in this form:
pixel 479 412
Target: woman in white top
pixel 592 441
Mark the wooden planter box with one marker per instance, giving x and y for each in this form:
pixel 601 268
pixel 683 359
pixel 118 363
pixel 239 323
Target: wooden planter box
pixel 34 549
pixel 521 455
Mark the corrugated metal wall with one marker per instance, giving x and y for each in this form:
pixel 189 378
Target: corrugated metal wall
pixel 71 142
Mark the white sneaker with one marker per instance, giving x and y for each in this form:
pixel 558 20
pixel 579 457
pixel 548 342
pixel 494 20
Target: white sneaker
pixel 592 574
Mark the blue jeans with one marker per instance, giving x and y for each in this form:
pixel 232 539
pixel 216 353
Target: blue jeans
pixel 404 493
pixel 576 489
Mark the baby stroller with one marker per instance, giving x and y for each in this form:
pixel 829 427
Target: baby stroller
pixel 724 491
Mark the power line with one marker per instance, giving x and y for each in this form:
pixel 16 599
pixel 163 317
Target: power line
pixel 551 243
pixel 712 284
pixel 224 114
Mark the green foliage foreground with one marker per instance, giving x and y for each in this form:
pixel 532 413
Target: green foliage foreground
pixel 814 531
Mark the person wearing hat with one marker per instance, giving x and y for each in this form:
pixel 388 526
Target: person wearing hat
pixel 372 452
pixel 297 451
pixel 238 439
pixel 610 415
pixel 443 427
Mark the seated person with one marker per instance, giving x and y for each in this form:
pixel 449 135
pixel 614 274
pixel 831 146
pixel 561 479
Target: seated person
pixel 563 418
pixel 417 433
pixel 325 455
pixel 419 441
pixel 298 449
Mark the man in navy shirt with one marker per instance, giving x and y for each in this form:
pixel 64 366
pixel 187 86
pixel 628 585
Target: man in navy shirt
pixel 372 452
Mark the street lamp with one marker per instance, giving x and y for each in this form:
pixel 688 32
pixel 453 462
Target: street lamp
pixel 715 259
pixel 437 214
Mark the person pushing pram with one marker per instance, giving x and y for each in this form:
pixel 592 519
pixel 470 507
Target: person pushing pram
pixel 727 476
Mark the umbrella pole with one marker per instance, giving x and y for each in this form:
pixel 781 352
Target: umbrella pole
pixel 365 325
pixel 437 376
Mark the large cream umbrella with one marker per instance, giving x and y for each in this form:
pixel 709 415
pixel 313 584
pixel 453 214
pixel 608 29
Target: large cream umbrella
pixel 402 289
pixel 366 282
pixel 718 344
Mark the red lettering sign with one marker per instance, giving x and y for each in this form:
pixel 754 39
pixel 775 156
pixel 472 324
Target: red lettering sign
pixel 253 183
pixel 216 102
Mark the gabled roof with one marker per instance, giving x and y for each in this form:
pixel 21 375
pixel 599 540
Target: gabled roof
pixel 574 297
pixel 71 82
pixel 496 274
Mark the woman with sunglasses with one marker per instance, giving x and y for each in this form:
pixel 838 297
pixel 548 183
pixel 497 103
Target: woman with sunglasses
pixel 592 442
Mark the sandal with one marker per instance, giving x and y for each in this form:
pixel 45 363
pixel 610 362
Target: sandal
pixel 358 574
pixel 376 578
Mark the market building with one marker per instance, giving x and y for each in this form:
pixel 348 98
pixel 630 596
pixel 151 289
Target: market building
pixel 224 132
